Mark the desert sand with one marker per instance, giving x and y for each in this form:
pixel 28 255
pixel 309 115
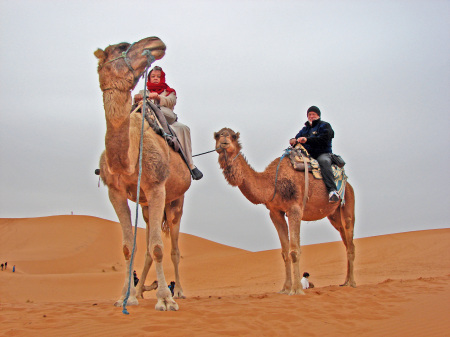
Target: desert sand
pixel 69 271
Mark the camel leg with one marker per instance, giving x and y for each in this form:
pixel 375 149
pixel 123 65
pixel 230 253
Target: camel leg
pixel 349 218
pixel 156 198
pixel 120 204
pixel 174 211
pixel 148 258
pixel 294 220
pixel 346 213
pixel 282 229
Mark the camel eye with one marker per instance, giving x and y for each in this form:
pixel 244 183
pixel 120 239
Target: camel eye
pixel 216 135
pixel 123 46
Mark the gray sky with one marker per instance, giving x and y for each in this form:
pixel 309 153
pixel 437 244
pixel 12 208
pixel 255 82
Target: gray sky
pixel 378 70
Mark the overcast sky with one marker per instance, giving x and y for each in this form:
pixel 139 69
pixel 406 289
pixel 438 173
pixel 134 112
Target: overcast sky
pixel 378 70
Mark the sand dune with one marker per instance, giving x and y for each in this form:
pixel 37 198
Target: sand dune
pixel 70 270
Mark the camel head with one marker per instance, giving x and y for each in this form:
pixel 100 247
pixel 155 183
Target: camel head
pixel 227 145
pixel 227 141
pixel 121 65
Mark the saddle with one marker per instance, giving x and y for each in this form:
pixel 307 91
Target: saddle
pixel 299 155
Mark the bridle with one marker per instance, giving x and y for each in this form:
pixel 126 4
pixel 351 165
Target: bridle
pixel 147 52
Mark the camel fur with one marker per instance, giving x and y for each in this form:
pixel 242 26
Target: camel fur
pixel 258 187
pixel 164 180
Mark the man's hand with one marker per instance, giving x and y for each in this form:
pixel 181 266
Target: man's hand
pixel 293 141
pixel 302 140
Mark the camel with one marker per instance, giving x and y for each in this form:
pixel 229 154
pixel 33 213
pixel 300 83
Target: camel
pixel 258 187
pixel 164 178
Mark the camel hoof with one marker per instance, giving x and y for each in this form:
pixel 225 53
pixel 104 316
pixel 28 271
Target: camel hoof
pixel 296 292
pixel 160 307
pixel 179 294
pixel 131 301
pixel 284 291
pixel 349 284
pixel 166 305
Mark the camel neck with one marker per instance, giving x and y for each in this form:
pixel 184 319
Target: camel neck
pixel 257 187
pixel 117 106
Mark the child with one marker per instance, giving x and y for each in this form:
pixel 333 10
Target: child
pixel 304 280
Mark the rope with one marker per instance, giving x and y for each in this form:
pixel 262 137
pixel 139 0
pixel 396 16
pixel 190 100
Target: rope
pixel 195 155
pixel 149 62
pixel 286 153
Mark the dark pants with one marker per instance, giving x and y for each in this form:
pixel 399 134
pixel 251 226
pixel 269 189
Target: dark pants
pixel 327 173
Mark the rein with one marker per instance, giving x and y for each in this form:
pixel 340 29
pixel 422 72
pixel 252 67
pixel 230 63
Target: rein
pixel 149 60
pixel 200 154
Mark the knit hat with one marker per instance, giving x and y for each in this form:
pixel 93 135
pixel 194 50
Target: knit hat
pixel 313 108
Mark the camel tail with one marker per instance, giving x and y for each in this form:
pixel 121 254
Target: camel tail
pixel 165 227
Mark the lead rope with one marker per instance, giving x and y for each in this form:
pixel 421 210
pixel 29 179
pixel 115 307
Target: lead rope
pixel 200 154
pixel 150 60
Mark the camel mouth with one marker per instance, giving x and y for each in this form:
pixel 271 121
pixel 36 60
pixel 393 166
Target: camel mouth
pixel 156 47
pixel 158 52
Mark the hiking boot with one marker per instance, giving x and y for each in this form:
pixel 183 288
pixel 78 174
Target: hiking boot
pixel 197 174
pixel 333 196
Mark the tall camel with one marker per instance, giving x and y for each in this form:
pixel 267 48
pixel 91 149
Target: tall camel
pixel 258 187
pixel 164 179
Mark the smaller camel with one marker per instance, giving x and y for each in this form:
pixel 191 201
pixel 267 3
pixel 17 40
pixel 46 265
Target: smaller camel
pixel 258 187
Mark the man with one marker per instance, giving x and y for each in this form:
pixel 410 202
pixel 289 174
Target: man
pixel 316 137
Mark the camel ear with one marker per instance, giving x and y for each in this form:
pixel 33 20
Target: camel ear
pixel 100 54
pixel 237 135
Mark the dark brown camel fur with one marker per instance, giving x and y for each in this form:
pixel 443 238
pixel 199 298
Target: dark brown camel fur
pixel 165 177
pixel 258 187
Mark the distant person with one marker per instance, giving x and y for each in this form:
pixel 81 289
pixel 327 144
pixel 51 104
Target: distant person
pixel 316 137
pixel 14 268
pixel 6 265
pixel 171 287
pixel 305 282
pixel 136 280
pixel 2 266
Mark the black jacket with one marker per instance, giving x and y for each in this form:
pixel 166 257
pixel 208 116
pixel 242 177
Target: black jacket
pixel 319 136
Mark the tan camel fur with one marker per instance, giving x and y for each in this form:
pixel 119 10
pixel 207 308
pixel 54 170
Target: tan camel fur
pixel 258 187
pixel 165 177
